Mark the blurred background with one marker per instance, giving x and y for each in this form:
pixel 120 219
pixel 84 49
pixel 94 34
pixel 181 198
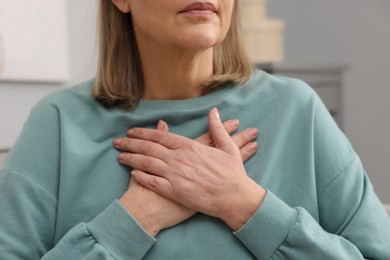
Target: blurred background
pixel 341 48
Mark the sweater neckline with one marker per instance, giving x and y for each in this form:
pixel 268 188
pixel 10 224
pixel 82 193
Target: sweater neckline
pixel 207 100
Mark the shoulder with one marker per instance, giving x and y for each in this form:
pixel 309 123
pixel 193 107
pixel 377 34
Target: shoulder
pixel 261 81
pixel 68 103
pixel 279 90
pixel 76 96
pixel 45 116
pixel 60 108
pixel 42 132
pixel 297 107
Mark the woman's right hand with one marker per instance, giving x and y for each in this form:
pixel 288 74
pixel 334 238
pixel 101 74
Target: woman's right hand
pixel 155 212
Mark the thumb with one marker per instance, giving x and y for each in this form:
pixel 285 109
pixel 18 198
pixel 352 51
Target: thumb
pixel 219 135
pixel 162 125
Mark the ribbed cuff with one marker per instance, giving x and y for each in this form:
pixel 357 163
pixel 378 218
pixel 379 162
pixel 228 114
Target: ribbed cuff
pixel 268 227
pixel 117 231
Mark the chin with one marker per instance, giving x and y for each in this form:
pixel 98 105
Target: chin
pixel 201 44
pixel 201 39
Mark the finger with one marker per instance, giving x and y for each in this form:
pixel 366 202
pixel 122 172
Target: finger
pixel 162 125
pixel 230 126
pixel 137 146
pixel 144 163
pixel 167 139
pixel 218 133
pixel 154 183
pixel 248 150
pixel 246 136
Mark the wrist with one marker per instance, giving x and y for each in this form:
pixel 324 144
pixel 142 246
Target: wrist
pixel 140 214
pixel 244 205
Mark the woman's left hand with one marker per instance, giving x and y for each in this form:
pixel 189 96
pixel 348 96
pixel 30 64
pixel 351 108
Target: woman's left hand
pixel 211 180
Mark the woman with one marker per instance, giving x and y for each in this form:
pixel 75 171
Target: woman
pixel 302 195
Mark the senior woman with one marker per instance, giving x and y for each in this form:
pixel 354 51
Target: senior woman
pixel 182 190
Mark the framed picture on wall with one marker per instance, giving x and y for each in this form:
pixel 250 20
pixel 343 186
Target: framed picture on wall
pixel 34 42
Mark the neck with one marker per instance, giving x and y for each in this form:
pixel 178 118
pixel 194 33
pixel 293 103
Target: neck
pixel 171 74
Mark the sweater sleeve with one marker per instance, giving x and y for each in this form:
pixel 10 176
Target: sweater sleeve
pixel 28 218
pixel 28 204
pixel 351 224
pixel 113 234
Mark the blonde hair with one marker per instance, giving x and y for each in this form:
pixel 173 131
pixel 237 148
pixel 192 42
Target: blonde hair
pixel 119 79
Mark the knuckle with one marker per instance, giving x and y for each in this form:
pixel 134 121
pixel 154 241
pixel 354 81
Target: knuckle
pixel 145 149
pixel 244 155
pixel 125 144
pixel 192 146
pixel 157 136
pixel 146 163
pixel 205 139
pixel 154 183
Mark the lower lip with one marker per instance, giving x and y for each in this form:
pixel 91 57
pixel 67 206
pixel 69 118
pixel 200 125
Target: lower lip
pixel 199 12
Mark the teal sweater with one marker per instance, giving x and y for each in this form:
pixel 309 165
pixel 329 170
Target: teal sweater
pixel 61 181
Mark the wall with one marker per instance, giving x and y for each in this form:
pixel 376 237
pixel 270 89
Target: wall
pixel 16 99
pixel 356 33
pixel 328 32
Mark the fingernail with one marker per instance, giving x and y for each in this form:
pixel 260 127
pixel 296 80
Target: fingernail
pixel 216 113
pixel 121 157
pixel 252 146
pixel 254 132
pixel 235 123
pixel 164 125
pixel 130 132
pixel 117 141
pixel 160 125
